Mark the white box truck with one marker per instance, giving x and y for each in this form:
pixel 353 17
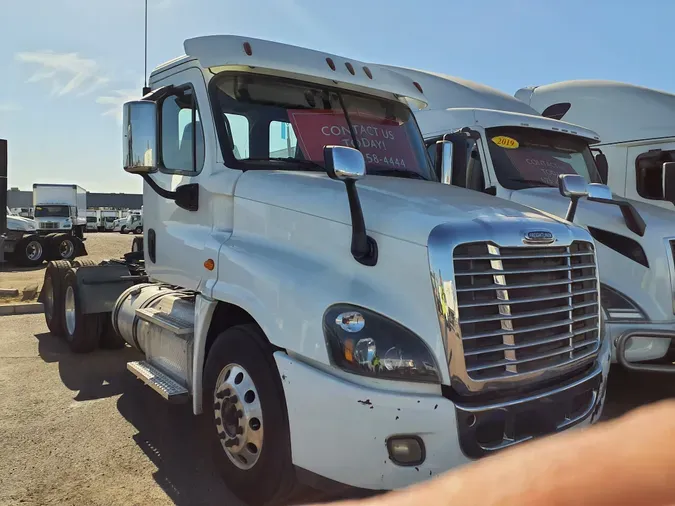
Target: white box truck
pixel 92 220
pixel 636 127
pixel 107 219
pixel 60 208
pixel 508 150
pixel 339 317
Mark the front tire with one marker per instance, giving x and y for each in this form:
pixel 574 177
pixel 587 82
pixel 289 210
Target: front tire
pixel 82 331
pixel 248 422
pixel 124 230
pixel 138 230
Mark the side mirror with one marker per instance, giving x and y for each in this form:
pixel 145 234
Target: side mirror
pixel 602 166
pixel 669 181
pixel 140 137
pixel 444 156
pixel 574 187
pixel 344 163
pixel 348 165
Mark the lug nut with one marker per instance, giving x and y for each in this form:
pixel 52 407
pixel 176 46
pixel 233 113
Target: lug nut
pixel 240 430
pixel 232 442
pixel 240 413
pixel 224 393
pixel 218 420
pixel 216 405
pixel 222 435
pixel 234 399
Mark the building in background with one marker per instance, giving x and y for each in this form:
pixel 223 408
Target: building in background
pixel 19 198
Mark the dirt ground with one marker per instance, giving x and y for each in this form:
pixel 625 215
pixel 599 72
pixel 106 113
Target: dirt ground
pixel 80 430
pixel 100 246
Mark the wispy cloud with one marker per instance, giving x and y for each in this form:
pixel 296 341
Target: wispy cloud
pixel 116 99
pixel 9 107
pixel 65 72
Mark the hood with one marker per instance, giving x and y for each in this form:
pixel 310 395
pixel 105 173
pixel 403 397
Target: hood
pixel 660 222
pixel 20 223
pixel 405 209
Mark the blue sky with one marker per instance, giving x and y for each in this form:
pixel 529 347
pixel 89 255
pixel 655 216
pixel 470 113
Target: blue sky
pixel 68 65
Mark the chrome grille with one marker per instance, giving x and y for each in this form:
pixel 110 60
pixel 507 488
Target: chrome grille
pixel 49 224
pixel 525 309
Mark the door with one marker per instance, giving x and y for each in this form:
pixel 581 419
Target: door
pixel 185 155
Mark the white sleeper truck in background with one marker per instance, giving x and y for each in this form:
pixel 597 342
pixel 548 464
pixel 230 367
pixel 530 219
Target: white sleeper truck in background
pixel 636 127
pixel 510 151
pixel 340 318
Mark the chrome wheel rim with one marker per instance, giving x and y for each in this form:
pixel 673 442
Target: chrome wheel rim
pixel 238 416
pixel 69 305
pixel 48 288
pixel 66 248
pixel 34 250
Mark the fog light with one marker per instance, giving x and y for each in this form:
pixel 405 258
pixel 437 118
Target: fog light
pixel 406 450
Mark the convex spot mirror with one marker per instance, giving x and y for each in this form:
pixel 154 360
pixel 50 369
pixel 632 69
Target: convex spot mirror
pixel 344 163
pixel 669 181
pixel 597 191
pixel 140 137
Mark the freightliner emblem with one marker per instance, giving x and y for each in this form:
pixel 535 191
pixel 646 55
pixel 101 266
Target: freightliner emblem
pixel 538 237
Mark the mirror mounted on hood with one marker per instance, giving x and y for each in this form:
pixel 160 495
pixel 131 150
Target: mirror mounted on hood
pixel 348 165
pixel 574 187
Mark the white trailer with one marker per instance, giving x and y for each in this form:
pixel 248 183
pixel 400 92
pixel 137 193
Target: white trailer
pixel 636 127
pixel 92 220
pixel 338 317
pixel 510 151
pixel 60 208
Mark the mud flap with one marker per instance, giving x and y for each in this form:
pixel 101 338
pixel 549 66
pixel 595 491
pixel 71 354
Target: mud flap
pixel 100 286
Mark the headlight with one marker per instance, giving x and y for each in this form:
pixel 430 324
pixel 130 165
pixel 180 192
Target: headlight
pixel 366 343
pixel 617 306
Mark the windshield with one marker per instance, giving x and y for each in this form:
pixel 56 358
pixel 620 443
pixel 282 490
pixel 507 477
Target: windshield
pixel 271 123
pixel 52 211
pixel 109 219
pixel 525 157
pixel 91 219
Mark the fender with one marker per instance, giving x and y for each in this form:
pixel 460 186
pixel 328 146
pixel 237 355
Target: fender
pixel 204 308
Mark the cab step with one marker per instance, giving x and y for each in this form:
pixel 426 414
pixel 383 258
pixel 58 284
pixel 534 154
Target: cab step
pixel 161 383
pixel 166 321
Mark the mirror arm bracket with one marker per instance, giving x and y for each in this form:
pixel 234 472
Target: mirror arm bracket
pixel 364 247
pixel 186 196
pixel 631 216
pixel 572 209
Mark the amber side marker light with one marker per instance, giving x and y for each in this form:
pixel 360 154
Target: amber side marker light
pixel 209 264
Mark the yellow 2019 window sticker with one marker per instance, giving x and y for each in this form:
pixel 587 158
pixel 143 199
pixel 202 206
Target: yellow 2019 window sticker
pixel 505 142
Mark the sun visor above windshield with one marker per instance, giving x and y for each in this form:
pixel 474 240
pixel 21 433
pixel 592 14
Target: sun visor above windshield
pixel 220 51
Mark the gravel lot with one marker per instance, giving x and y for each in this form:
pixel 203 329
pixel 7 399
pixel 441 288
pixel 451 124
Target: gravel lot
pixel 100 246
pixel 80 430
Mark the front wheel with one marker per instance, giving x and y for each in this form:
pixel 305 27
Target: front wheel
pixel 124 230
pixel 249 424
pixel 138 230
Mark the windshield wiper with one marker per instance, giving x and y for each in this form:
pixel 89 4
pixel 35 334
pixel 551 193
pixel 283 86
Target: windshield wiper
pixel 397 172
pixel 533 182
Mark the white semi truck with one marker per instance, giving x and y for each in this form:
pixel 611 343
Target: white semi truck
pixel 22 245
pixel 60 208
pixel 339 317
pixel 636 127
pixel 507 149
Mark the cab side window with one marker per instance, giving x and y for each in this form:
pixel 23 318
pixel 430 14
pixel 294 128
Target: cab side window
pixel 471 176
pixel 181 133
pixel 648 173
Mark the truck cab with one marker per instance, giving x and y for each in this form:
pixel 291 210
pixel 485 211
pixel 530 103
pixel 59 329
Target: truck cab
pixel 60 208
pixel 636 125
pixel 340 318
pixel 510 151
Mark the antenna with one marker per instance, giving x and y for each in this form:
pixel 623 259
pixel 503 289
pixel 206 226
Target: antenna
pixel 146 89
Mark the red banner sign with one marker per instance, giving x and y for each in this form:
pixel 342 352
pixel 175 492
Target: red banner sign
pixel 382 142
pixel 538 166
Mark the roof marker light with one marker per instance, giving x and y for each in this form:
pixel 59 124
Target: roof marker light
pixel 368 72
pixel 247 49
pixel 350 68
pixel 417 85
pixel 330 63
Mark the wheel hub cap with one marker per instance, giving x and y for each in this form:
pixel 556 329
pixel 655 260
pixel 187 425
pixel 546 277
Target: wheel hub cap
pixel 34 250
pixel 69 305
pixel 238 416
